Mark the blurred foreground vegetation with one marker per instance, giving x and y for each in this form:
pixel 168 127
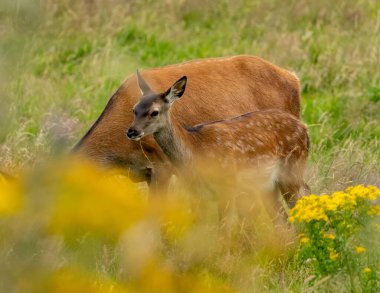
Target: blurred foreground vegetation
pixel 67 227
pixel 60 61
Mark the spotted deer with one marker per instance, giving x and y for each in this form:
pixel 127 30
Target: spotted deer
pixel 237 84
pixel 271 138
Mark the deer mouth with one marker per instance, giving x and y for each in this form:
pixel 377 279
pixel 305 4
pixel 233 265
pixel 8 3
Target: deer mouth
pixel 134 135
pixel 136 138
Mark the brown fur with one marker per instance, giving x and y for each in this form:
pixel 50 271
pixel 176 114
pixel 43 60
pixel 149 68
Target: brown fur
pixel 264 139
pixel 240 84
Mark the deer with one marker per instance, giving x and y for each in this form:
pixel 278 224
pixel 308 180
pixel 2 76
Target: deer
pixel 255 139
pixel 239 83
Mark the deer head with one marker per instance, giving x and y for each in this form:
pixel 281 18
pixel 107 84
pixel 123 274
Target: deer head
pixel 151 113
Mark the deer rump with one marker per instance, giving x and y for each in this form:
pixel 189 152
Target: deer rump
pixel 218 88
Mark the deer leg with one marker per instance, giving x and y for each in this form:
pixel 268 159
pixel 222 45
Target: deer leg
pixel 225 194
pixel 225 207
pixel 158 180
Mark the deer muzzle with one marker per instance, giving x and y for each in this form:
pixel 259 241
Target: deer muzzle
pixel 133 134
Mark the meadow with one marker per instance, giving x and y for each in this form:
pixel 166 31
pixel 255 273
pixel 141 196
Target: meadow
pixel 60 61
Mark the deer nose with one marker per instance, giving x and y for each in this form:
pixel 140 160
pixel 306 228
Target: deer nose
pixel 132 133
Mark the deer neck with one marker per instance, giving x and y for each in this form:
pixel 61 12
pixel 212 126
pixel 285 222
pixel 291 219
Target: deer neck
pixel 171 140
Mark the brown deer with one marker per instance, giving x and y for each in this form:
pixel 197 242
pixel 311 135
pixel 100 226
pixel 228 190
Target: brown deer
pixel 237 84
pixel 271 138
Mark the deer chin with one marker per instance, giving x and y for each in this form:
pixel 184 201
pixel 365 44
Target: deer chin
pixel 138 137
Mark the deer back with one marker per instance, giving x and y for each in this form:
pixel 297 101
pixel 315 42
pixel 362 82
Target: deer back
pixel 252 137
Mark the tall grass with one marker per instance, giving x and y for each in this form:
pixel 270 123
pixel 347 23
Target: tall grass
pixel 68 227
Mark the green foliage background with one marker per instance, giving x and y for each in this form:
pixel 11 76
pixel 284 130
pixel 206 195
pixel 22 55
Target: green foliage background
pixel 62 60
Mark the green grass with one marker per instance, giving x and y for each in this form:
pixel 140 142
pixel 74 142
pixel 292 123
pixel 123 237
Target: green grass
pixel 60 62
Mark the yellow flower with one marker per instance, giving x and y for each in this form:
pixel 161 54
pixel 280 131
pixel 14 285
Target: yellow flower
pixel 305 240
pixel 360 249
pixel 331 206
pixel 374 192
pixel 329 236
pixel 367 270
pixel 334 255
pixel 321 207
pixel 360 191
pixel 374 210
pixel 88 200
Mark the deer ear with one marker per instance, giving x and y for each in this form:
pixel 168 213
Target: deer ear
pixel 144 87
pixel 176 91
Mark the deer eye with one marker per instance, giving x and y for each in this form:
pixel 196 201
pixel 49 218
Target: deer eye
pixel 154 114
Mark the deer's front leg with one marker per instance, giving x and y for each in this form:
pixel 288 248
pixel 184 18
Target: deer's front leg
pixel 158 181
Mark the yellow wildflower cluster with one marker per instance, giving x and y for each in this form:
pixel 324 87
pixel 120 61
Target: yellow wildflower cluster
pixel 153 279
pixel 109 204
pixel 314 207
pixel 329 227
pixel 87 201
pixel 370 192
